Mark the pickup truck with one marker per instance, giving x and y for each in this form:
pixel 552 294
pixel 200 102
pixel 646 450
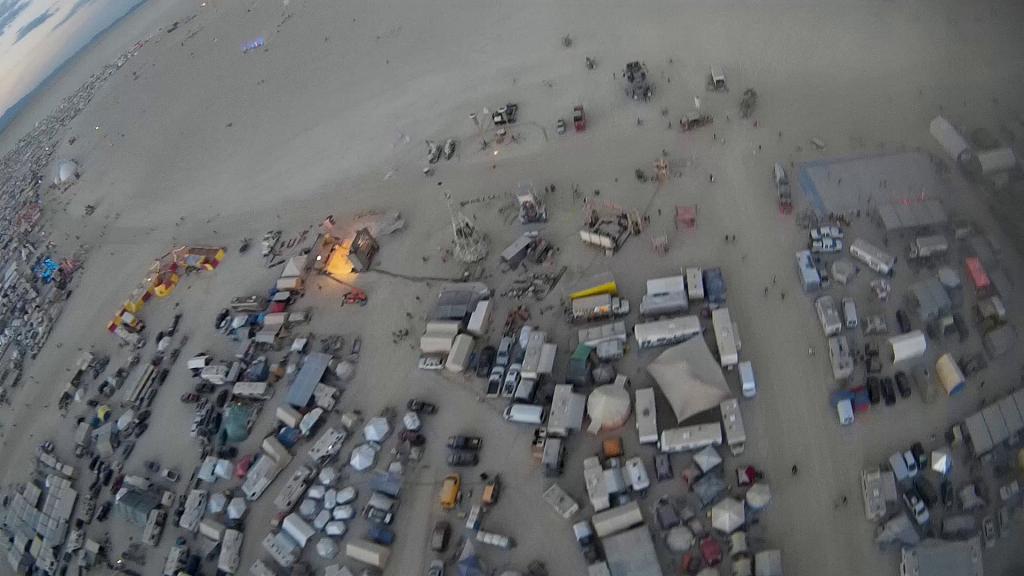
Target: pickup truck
pixel 460 442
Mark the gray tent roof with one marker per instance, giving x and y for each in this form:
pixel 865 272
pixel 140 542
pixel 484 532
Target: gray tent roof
pixel 690 378
pixel 309 376
pixel 912 215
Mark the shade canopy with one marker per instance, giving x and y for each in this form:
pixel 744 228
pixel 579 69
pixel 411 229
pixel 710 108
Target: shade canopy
pixel 690 378
pixel 362 457
pixel 608 407
pixel 941 461
pixel 377 429
pixel 758 496
pixel 728 515
pixel 236 508
pixel 707 459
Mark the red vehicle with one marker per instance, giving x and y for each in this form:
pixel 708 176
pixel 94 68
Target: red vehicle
pixel 190 398
pixel 711 551
pixel 579 118
pixel 242 468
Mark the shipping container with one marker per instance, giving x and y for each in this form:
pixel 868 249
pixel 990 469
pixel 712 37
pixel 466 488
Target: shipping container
pixel 458 357
pixel 480 319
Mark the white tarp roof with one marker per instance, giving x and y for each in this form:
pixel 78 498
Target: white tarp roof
pixel 707 459
pixel 362 457
pixel 376 429
pixel 758 496
pixel 608 407
pixel 690 378
pixel 941 460
pixel 728 515
pixel 236 508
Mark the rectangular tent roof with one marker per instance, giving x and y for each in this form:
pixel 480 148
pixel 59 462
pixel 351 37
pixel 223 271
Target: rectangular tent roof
pixel 309 376
pixel 912 214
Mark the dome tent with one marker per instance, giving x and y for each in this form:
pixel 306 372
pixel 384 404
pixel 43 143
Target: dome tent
pixel 608 408
pixel 67 173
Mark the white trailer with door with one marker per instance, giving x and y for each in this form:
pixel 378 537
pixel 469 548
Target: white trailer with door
pixel 646 416
pixel 725 337
pixel 877 259
pixel 666 332
pixel 908 346
pixel 732 423
pixel 692 437
pixel 695 283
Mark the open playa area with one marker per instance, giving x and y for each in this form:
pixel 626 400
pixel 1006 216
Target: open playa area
pixel 244 235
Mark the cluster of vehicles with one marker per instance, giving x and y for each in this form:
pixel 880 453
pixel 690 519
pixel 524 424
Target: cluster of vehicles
pixel 826 240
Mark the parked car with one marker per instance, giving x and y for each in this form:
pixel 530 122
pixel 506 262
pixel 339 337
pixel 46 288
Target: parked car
pixel 439 536
pixel 903 320
pixel 463 458
pixel 926 490
pixel 494 381
pixel 420 406
pixel 485 361
pixel 462 442
pixel 903 384
pixel 430 363
pixel 662 467
pixel 916 507
pixel 874 390
pixel 888 391
pixel 104 511
pixel 374 514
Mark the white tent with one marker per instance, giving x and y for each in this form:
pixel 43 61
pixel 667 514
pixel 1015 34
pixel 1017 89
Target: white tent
pixel 758 496
pixel 941 461
pixel 411 421
pixel 343 512
pixel 608 408
pixel 236 508
pixel 728 515
pixel 345 370
pixel 327 548
pixel 308 508
pixel 707 459
pixel 217 502
pixel 690 378
pixel 363 457
pixel 67 172
pixel 345 495
pixel 377 429
pixel 327 476
pixel 336 528
pixel 679 539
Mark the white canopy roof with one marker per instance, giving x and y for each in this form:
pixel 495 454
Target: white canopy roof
pixel 67 172
pixel 363 457
pixel 608 407
pixel 690 378
pixel 707 458
pixel 236 508
pixel 327 548
pixel 679 539
pixel 728 515
pixel 377 429
pixel 758 496
pixel 941 460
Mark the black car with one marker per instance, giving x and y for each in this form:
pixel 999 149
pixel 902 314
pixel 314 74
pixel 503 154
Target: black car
pixel 874 390
pixel 485 362
pixel 904 321
pixel 419 406
pixel 903 384
pixel 108 474
pixel 926 490
pixel 140 429
pixel 463 458
pixel 104 511
pixel 94 463
pixel 888 391
pixel 917 449
pixel 662 467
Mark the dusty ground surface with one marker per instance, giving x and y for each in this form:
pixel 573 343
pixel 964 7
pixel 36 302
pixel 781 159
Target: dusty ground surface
pixel 195 142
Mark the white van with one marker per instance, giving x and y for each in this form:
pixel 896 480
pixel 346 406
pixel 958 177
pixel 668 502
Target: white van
pixel 637 474
pixel 850 312
pixel 747 383
pixel 524 414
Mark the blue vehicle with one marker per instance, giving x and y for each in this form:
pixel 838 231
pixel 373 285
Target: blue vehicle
pixel 381 535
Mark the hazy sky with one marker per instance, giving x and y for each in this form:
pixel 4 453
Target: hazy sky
pixel 37 36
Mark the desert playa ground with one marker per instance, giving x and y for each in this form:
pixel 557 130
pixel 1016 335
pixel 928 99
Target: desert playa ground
pixel 194 141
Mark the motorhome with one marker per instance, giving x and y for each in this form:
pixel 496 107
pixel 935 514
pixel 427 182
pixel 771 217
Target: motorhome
pixel 873 256
pixel 728 353
pixel 646 416
pixel 666 332
pixel 690 437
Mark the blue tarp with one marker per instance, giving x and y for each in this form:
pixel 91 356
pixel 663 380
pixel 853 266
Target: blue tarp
pixel 306 380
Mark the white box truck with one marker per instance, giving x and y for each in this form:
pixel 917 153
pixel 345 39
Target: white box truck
pixel 368 552
pixel 828 315
pixel 695 283
pixel 646 416
pixel 458 357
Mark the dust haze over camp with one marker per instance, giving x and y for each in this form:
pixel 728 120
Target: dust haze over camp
pixel 480 288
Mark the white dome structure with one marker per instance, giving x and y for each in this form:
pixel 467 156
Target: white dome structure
pixel 67 172
pixel 608 408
